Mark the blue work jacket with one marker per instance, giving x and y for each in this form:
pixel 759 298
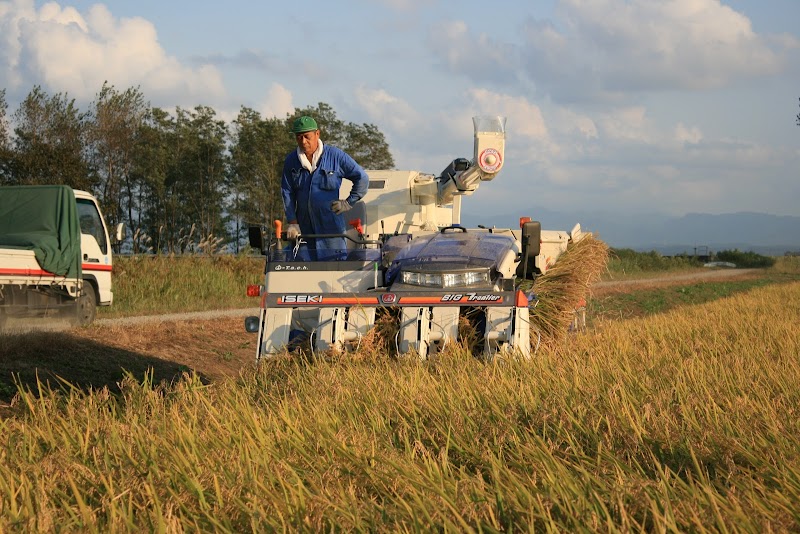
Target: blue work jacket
pixel 307 197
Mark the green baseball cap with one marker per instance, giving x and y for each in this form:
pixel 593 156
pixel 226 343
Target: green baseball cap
pixel 304 124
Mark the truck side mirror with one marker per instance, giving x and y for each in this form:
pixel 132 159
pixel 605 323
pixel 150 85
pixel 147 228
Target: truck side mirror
pixel 119 233
pixel 531 247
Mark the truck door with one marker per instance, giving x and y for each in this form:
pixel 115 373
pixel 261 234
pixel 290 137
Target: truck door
pixel 95 249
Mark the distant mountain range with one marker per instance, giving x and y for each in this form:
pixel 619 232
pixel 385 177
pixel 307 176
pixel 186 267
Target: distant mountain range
pixel 762 233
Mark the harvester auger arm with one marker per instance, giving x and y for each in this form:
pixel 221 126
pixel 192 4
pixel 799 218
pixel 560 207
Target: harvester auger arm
pixel 462 176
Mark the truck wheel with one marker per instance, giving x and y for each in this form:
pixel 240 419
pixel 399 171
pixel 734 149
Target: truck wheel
pixel 87 305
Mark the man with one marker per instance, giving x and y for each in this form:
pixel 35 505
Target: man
pixel 312 175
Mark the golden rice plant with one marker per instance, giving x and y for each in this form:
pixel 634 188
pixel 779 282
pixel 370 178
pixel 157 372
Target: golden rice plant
pixel 564 287
pixel 685 421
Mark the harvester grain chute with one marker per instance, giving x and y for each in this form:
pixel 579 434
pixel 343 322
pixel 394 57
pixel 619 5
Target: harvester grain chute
pixel 407 252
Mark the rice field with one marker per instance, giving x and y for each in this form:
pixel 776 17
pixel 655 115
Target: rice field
pixel 686 420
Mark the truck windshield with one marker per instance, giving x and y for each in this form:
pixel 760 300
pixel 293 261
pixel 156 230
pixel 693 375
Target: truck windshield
pixel 91 223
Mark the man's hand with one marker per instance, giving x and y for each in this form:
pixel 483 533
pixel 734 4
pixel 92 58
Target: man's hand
pixel 340 206
pixel 292 231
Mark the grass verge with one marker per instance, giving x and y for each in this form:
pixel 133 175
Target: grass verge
pixel 146 285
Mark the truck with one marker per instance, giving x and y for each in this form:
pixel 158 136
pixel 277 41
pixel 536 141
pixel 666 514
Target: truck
pixel 56 256
pixel 408 252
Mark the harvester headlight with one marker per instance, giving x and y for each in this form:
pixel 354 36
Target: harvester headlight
pixel 446 280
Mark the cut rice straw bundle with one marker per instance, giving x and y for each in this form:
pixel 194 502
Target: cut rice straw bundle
pixel 564 287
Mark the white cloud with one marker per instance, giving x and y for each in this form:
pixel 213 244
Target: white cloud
pixel 407 5
pixel 386 109
pixel 473 53
pixel 695 44
pixel 568 122
pixel 605 50
pixel 684 134
pixel 622 160
pixel 68 52
pixel 277 103
pixel 69 15
pixel 628 124
pixel 524 118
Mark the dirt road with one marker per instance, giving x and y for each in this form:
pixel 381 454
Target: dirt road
pixel 214 344
pixel 625 286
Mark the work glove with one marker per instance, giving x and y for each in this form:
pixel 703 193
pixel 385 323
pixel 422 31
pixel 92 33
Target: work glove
pixel 340 206
pixel 292 231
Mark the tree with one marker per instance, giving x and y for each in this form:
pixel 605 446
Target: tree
pixel 48 142
pixel 5 147
pixel 258 148
pixel 115 122
pixel 153 161
pixel 3 120
pixel 183 176
pixel 165 174
pixel 368 146
pixel 203 181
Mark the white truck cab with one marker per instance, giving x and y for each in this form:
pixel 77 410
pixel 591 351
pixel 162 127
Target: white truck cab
pixel 96 255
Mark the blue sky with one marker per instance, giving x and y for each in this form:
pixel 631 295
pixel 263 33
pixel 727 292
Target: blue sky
pixel 620 106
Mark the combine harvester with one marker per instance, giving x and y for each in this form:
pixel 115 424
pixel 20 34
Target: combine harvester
pixel 407 252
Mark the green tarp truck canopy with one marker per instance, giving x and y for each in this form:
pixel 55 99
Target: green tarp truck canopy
pixel 43 218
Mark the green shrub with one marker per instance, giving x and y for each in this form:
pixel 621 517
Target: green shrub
pixel 745 259
pixel 625 260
